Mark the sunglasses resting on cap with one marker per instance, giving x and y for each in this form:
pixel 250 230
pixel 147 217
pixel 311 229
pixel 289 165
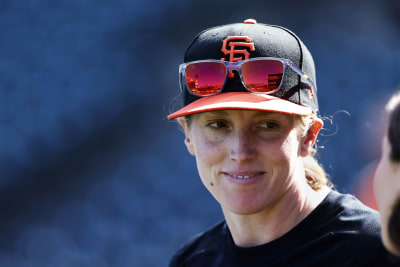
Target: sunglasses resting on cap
pixel 247 66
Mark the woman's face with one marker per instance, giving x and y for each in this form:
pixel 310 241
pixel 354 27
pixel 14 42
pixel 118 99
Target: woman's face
pixel 248 160
pixel 387 190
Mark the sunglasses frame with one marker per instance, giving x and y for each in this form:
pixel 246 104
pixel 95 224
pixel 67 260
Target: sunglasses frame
pixel 230 66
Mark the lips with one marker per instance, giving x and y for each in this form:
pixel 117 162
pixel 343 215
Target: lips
pixel 243 177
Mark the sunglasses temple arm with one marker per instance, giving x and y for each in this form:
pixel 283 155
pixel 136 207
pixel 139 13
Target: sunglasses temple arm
pixel 309 81
pixel 181 82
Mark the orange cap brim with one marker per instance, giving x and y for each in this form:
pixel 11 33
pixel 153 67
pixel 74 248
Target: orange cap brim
pixel 241 100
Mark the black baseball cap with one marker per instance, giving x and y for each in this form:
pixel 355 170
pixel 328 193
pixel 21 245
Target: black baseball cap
pixel 294 96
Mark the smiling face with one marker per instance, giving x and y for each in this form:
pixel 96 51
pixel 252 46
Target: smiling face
pixel 248 160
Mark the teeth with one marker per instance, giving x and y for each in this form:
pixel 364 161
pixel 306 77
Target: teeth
pixel 243 176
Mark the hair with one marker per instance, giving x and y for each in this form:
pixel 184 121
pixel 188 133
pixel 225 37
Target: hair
pixel 394 224
pixel 314 172
pixel 393 135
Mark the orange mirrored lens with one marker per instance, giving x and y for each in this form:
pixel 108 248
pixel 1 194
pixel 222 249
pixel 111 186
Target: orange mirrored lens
pixel 262 76
pixel 205 78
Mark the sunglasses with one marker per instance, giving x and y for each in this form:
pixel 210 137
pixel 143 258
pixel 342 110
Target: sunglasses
pixel 262 75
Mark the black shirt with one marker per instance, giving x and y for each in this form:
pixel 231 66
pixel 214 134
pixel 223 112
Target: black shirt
pixel 341 231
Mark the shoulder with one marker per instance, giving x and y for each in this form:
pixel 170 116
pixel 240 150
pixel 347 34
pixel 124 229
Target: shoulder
pixel 205 244
pixel 358 229
pixel 345 216
pixel 351 213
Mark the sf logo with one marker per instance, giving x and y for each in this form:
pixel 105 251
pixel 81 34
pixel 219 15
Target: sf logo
pixel 237 45
pixel 237 41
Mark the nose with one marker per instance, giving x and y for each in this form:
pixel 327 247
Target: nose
pixel 242 147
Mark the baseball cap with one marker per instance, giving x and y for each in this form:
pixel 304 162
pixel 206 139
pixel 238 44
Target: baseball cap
pixel 293 97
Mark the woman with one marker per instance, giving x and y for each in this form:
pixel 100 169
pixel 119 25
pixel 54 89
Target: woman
pixel 387 179
pixel 250 119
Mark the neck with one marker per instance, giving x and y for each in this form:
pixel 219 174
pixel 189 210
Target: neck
pixel 273 222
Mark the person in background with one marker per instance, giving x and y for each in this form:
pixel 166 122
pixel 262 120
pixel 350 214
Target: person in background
pixel 251 121
pixel 387 179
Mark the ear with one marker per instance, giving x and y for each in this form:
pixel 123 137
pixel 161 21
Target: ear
pixel 309 139
pixel 188 140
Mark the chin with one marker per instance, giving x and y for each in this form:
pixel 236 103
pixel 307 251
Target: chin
pixel 245 208
pixel 243 211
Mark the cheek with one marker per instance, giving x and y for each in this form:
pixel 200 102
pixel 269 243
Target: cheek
pixel 287 151
pixel 208 155
pixel 207 150
pixel 386 190
pixel 378 182
pixel 382 184
pixel 291 154
pixel 292 146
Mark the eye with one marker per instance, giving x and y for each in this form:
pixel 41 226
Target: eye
pixel 269 125
pixel 218 124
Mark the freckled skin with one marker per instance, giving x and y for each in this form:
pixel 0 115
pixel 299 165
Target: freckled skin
pixel 264 145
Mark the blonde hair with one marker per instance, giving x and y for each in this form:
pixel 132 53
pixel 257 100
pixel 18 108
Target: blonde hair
pixel 315 174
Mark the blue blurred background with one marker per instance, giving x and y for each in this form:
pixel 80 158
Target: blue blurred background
pixel 92 173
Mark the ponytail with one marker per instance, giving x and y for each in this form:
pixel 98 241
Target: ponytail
pixel 315 174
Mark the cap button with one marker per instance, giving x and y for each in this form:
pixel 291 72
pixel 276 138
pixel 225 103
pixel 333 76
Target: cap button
pixel 250 21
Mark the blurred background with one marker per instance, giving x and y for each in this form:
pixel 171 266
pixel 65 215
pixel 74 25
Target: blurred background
pixel 92 173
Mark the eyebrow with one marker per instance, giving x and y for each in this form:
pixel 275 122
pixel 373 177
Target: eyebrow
pixel 214 113
pixel 267 114
pixel 258 113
